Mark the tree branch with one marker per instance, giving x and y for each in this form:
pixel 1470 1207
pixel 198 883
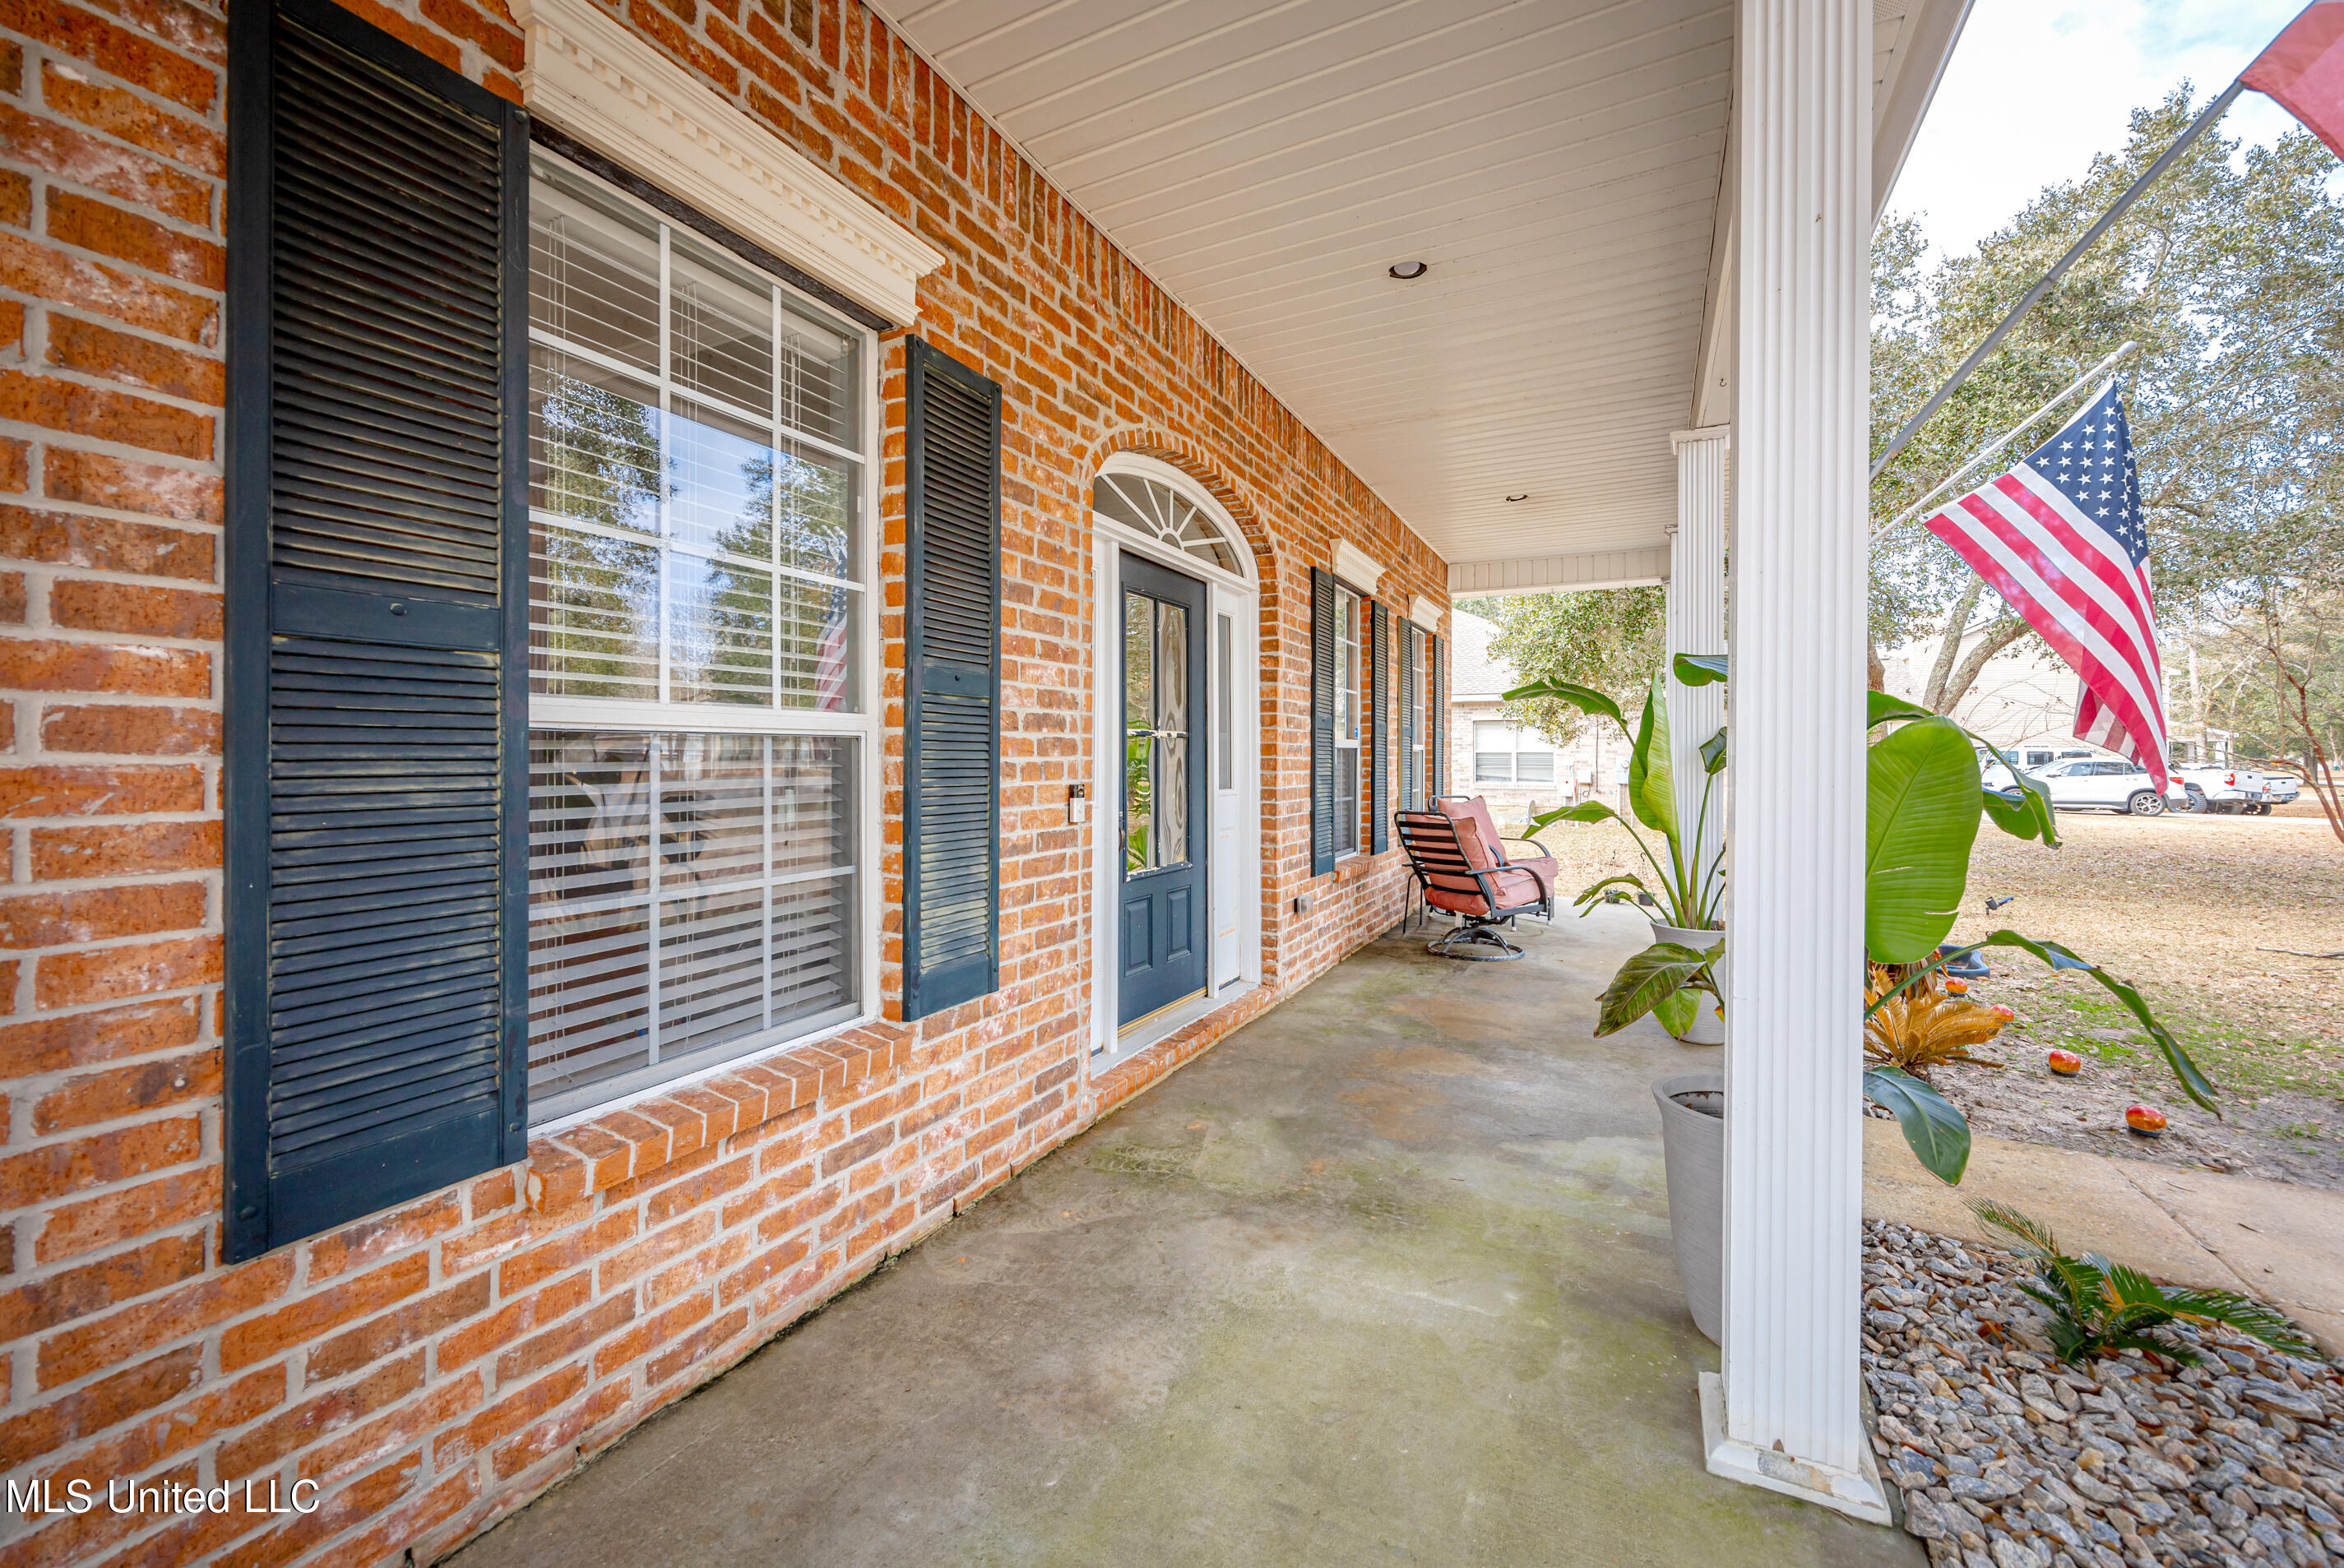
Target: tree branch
pixel 2001 635
pixel 1957 621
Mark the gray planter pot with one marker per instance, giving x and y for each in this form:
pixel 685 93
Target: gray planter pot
pixel 1693 1140
pixel 1708 1024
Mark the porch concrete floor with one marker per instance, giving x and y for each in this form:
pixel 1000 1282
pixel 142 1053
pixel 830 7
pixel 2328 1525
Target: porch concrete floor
pixel 1383 1277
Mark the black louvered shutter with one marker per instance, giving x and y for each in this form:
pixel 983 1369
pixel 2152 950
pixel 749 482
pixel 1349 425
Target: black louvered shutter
pixel 1322 721
pixel 1378 716
pixel 376 741
pixel 951 683
pixel 1436 721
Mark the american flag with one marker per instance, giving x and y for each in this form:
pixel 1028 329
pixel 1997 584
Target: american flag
pixel 2303 69
pixel 833 667
pixel 2061 538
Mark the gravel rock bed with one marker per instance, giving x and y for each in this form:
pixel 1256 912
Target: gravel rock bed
pixel 2009 1458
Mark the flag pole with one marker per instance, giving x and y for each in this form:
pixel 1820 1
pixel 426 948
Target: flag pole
pixel 2077 385
pixel 2198 127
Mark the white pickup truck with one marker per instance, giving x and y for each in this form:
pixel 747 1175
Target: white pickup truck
pixel 2229 792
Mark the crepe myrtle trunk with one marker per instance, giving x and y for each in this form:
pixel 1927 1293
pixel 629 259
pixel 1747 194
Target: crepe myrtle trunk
pixel 1949 647
pixel 1999 635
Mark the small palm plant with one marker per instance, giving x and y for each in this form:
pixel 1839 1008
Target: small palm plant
pixel 1922 1026
pixel 2098 1308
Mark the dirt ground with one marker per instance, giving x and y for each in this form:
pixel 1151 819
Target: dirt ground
pixel 2221 921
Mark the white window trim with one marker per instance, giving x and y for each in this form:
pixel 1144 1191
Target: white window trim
pixel 1237 596
pixel 1357 568
pixel 864 726
pixel 1415 683
pixel 1361 659
pixel 617 92
pixel 1140 466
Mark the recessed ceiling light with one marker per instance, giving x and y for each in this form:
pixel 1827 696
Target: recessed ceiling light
pixel 1523 496
pixel 1409 271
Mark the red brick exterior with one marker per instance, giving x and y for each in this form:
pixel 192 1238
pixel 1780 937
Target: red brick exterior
pixel 436 1366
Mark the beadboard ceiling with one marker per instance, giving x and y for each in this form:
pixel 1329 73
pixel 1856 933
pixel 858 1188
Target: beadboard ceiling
pixel 1558 163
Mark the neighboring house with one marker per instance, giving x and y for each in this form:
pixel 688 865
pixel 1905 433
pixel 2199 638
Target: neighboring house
pixel 2021 697
pixel 1512 765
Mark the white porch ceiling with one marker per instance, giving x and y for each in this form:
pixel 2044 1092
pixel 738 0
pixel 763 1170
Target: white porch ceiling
pixel 1557 162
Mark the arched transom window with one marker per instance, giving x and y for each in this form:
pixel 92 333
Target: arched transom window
pixel 1158 510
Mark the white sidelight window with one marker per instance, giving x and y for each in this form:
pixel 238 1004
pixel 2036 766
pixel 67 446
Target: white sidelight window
pixel 1512 754
pixel 700 734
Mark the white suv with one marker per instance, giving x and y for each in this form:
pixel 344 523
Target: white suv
pixel 2099 784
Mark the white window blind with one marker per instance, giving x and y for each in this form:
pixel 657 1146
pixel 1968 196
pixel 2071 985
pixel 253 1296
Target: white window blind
pixel 696 483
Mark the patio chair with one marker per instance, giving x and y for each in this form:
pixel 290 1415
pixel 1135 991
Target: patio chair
pixel 1465 869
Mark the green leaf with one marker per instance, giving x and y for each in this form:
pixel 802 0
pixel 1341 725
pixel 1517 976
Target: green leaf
pixel 1589 895
pixel 1701 669
pixel 1879 708
pixel 1585 811
pixel 1936 1130
pixel 2128 1288
pixel 1644 981
pixel 1586 698
pixel 2080 1281
pixel 1712 752
pixel 1921 819
pixel 1652 779
pixel 2194 1082
pixel 1677 1012
pixel 2034 1239
pixel 2023 810
pixel 2243 1313
pixel 2012 812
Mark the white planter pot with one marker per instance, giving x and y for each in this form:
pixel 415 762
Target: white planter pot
pixel 1692 1141
pixel 1708 1023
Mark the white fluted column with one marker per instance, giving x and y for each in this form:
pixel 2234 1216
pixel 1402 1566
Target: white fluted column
pixel 1793 1153
pixel 1696 623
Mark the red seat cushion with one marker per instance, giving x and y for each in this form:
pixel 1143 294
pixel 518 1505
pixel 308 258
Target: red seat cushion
pixel 1476 811
pixel 1485 850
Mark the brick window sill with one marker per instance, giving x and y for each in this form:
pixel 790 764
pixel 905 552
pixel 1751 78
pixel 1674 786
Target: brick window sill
pixel 638 1137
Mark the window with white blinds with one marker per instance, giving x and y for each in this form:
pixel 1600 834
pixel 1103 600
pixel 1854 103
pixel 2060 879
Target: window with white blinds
pixel 1347 684
pixel 1510 754
pixel 699 722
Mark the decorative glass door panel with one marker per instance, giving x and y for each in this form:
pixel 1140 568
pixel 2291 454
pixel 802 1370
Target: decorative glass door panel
pixel 1164 897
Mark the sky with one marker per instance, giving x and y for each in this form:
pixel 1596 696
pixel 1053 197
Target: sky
pixel 2036 87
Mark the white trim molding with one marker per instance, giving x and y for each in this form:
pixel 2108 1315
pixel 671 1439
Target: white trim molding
pixel 1634 568
pixel 1356 566
pixel 1695 621
pixel 1163 473
pixel 1424 612
pixel 1860 1494
pixel 589 75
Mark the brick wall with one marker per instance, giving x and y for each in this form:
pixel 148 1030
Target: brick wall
pixel 436 1365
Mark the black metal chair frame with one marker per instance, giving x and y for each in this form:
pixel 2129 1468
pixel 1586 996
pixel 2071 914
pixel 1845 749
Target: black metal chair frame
pixel 1434 849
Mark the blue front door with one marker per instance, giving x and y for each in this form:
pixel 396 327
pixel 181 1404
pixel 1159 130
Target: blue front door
pixel 1163 929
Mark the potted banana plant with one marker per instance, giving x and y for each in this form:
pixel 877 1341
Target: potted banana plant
pixel 1924 798
pixel 1686 889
